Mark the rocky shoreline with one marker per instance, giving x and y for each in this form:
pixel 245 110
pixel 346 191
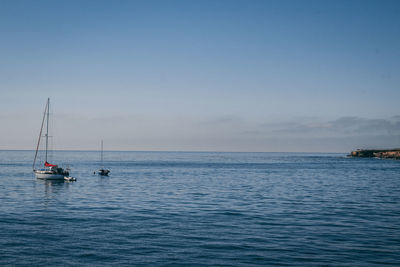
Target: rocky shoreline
pixel 376 153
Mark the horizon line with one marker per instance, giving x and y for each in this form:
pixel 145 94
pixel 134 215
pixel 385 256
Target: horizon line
pixel 181 151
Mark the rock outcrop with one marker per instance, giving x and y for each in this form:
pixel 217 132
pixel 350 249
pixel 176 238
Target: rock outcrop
pixel 375 153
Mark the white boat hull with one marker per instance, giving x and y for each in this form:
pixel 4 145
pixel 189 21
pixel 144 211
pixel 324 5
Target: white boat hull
pixel 49 176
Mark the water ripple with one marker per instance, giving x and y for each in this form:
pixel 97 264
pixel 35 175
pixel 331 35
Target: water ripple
pixel 199 209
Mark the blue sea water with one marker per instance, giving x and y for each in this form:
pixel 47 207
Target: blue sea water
pixel 216 209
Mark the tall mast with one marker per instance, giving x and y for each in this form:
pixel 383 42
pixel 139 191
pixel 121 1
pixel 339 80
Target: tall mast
pixel 47 126
pixel 40 135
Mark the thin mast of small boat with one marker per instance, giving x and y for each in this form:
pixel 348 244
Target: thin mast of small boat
pixel 102 165
pixel 46 110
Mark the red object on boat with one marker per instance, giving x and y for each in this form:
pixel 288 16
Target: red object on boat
pixel 46 164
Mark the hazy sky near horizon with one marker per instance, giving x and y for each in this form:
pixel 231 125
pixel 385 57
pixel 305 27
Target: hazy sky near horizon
pixel 201 75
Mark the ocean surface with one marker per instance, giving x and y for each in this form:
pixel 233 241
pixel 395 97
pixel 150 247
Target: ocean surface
pixel 215 209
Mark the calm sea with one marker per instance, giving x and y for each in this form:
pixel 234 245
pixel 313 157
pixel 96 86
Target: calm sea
pixel 176 208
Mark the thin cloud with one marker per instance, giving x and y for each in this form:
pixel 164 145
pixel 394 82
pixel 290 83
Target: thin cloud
pixel 223 120
pixel 340 127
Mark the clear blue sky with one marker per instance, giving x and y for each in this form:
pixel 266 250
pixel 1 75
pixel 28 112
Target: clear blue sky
pixel 202 75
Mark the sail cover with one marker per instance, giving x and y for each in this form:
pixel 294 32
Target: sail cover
pixel 46 164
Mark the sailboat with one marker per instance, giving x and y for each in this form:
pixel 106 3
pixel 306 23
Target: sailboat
pixel 50 171
pixel 102 171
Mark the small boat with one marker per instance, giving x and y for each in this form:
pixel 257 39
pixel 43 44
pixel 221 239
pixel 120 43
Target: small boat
pixel 49 171
pixel 102 171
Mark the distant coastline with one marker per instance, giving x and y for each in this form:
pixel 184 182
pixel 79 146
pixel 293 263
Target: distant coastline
pixel 376 153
